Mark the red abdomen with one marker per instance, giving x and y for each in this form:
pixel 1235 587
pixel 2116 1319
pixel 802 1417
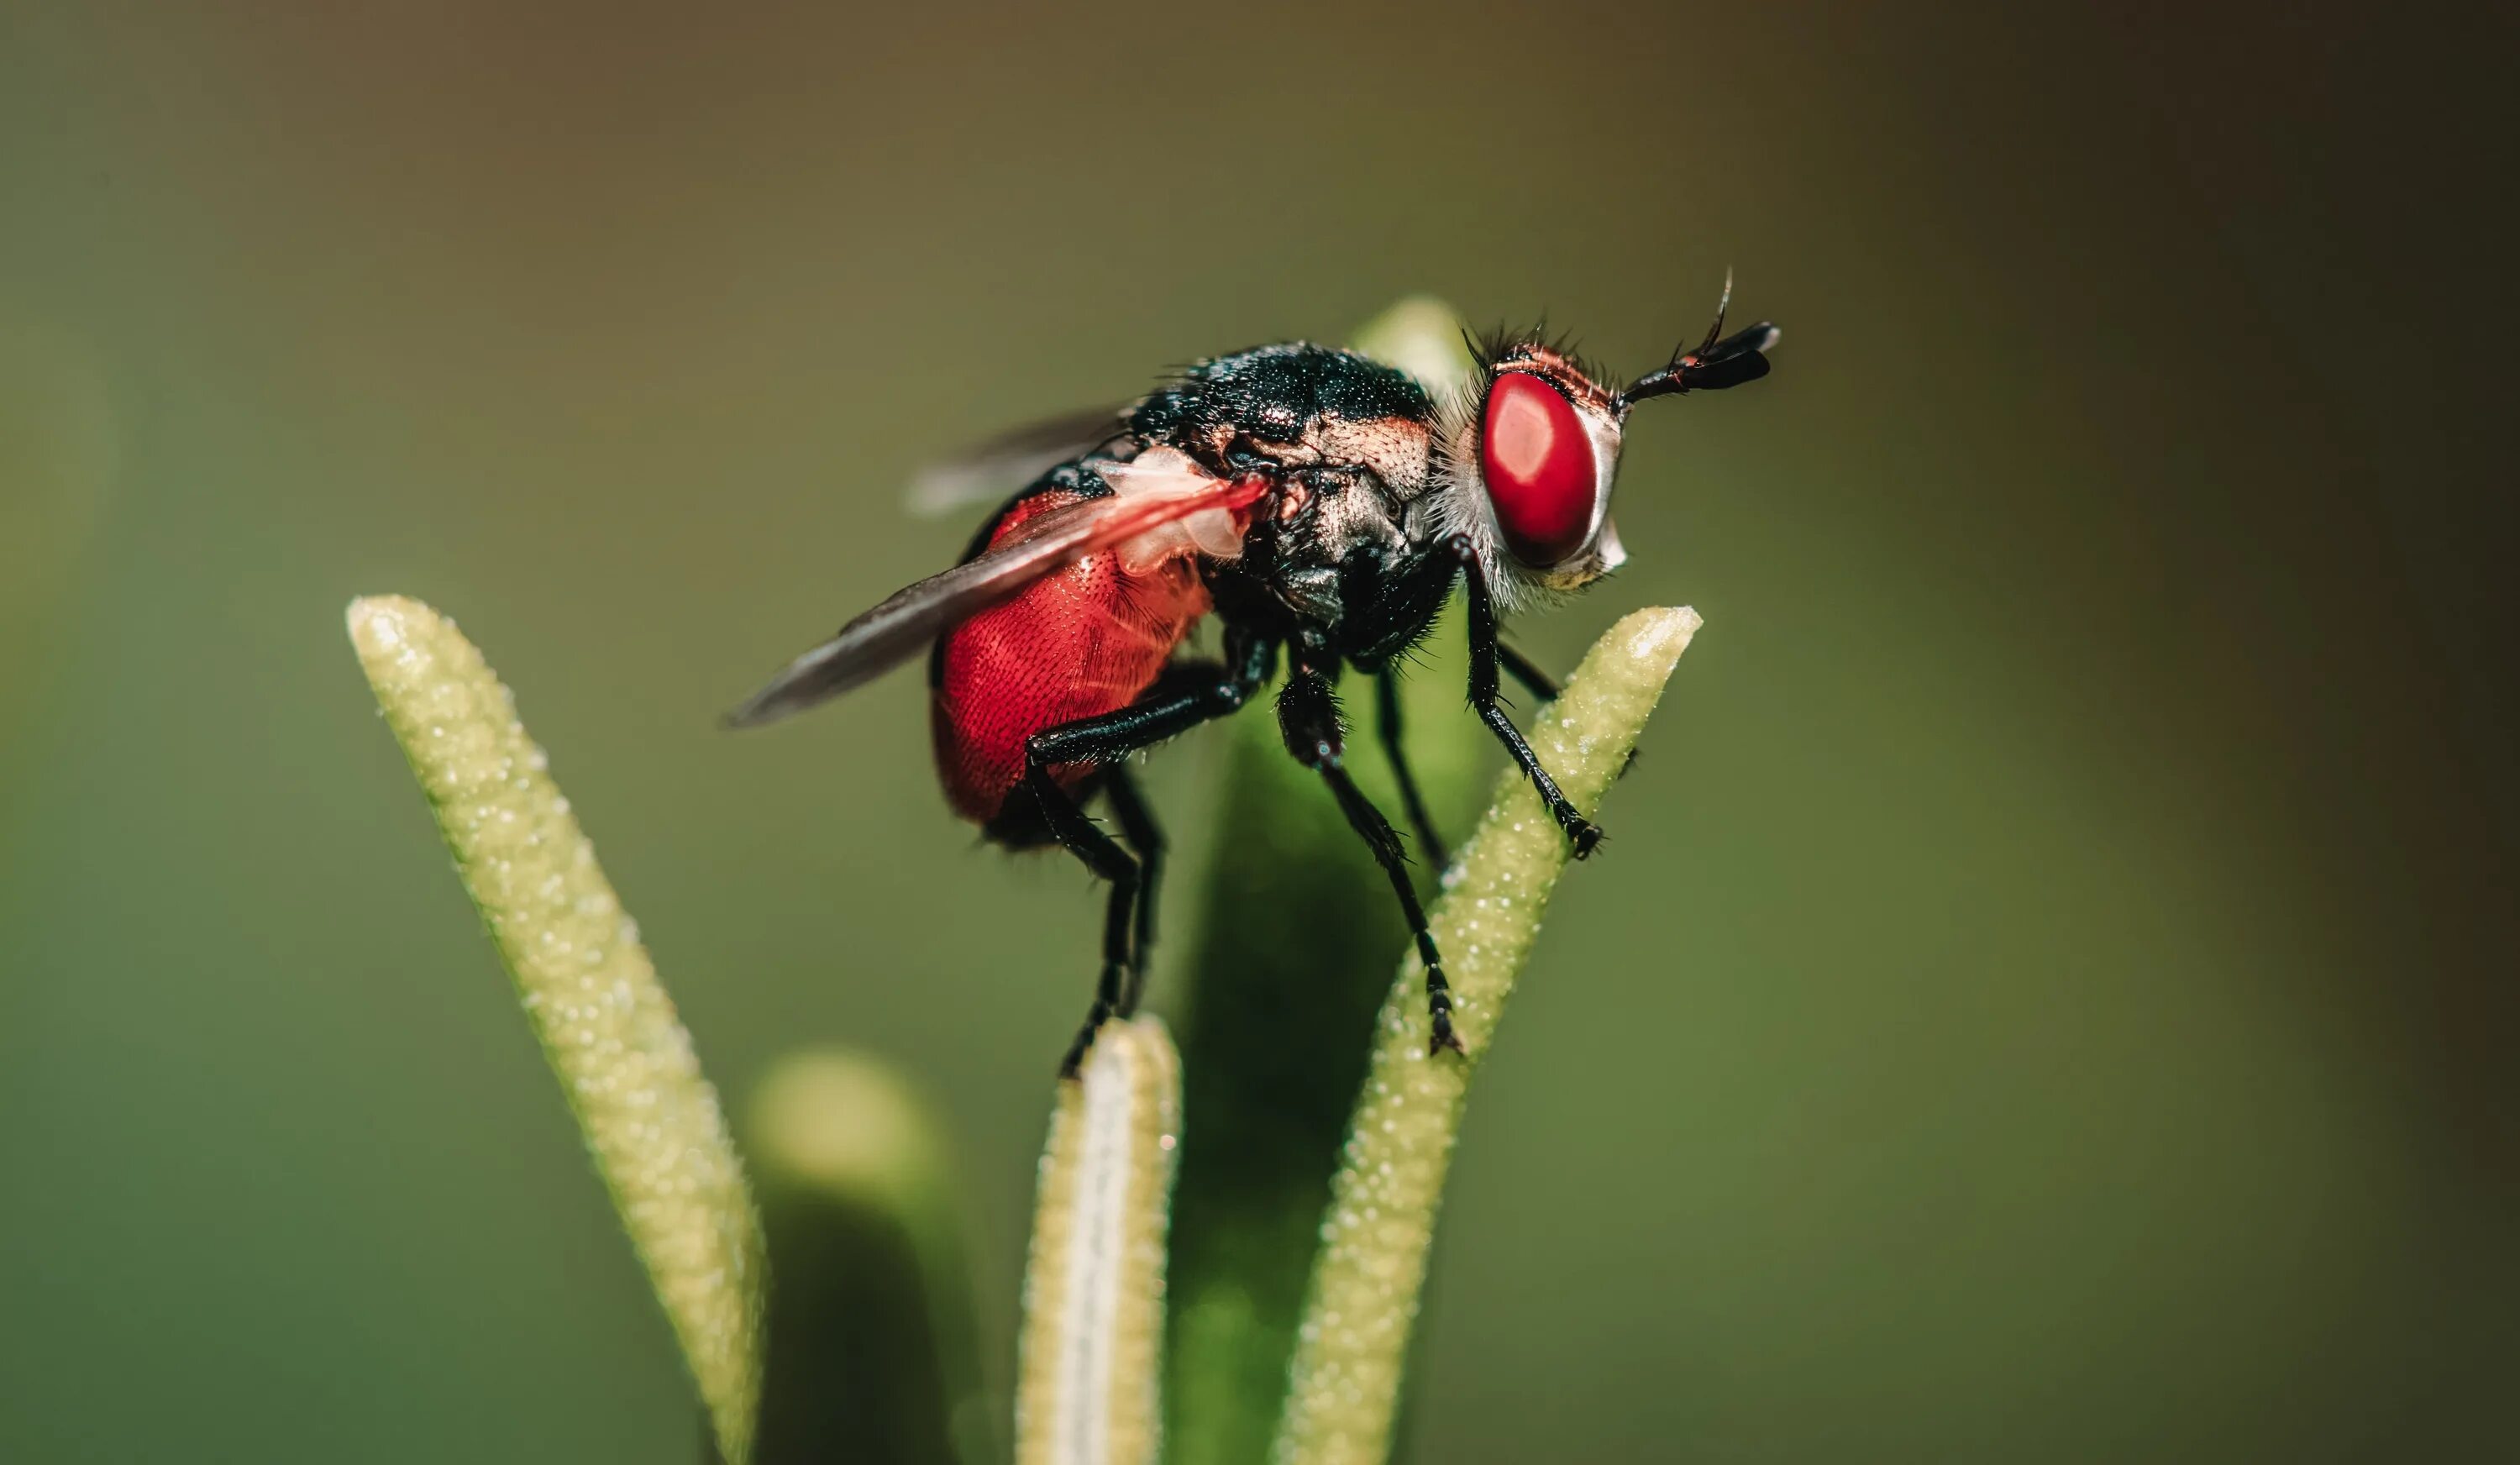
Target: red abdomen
pixel 1083 642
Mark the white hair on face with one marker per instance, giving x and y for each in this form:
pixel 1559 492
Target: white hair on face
pixel 1458 504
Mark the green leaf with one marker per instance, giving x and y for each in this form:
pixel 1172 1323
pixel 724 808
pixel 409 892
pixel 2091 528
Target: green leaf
pixel 624 1062
pixel 871 1334
pixel 1088 1375
pixel 1353 1343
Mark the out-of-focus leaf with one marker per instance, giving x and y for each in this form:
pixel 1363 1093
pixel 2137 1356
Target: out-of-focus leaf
pixel 623 1060
pixel 1423 337
pixel 873 1344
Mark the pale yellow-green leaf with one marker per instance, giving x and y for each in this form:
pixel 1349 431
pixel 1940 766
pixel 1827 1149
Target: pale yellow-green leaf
pixel 1344 1383
pixel 844 1124
pixel 623 1060
pixel 1094 1287
pixel 1423 337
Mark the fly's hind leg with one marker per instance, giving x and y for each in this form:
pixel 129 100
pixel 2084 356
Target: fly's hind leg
pixel 1146 840
pixel 1185 696
pixel 1307 719
pixel 1103 854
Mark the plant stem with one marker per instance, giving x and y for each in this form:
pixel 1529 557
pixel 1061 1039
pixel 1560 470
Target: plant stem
pixel 1346 1376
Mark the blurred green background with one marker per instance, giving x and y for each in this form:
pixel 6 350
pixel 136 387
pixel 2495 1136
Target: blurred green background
pixel 2049 992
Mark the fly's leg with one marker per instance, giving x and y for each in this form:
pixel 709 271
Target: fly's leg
pixel 1186 697
pixel 1386 723
pixel 1526 671
pixel 1581 833
pixel 1146 840
pixel 1307 719
pixel 1542 686
pixel 1103 854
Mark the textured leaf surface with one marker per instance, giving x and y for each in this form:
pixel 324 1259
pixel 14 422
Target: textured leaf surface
pixel 624 1061
pixel 1094 1290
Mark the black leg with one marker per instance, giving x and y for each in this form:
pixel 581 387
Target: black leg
pixel 1179 702
pixel 1542 686
pixel 1103 854
pixel 1582 832
pixel 1307 719
pixel 1524 670
pixel 1386 696
pixel 1185 696
pixel 1146 840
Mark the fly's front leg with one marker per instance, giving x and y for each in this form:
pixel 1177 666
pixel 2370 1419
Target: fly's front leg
pixel 1146 840
pixel 1542 686
pixel 1582 833
pixel 1307 719
pixel 1103 854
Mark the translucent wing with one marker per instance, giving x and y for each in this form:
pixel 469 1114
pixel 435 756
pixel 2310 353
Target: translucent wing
pixel 987 472
pixel 1138 520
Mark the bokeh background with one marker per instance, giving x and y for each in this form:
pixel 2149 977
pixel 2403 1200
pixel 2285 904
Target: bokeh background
pixel 2050 994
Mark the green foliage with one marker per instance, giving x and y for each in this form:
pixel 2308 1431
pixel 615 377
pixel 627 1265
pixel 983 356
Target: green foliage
pixel 870 1326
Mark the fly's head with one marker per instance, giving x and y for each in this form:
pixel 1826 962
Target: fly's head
pixel 1529 448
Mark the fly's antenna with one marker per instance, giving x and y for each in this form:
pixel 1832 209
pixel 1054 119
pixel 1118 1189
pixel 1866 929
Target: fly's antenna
pixel 1722 303
pixel 1720 361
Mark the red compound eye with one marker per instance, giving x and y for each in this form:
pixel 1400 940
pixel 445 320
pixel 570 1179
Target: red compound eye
pixel 1537 464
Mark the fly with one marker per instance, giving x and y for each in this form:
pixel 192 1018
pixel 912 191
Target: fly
pixel 1321 505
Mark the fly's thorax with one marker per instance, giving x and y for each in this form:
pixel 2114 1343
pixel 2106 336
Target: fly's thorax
pixel 1322 517
pixel 1295 403
pixel 1348 440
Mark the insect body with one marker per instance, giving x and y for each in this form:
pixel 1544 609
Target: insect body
pixel 1323 506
